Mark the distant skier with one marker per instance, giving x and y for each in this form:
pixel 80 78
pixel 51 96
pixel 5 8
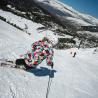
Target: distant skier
pixel 73 52
pixel 95 51
pixel 41 50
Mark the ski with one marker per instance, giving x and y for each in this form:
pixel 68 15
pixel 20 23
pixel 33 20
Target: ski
pixel 10 64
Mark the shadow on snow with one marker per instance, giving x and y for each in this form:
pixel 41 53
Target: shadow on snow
pixel 42 71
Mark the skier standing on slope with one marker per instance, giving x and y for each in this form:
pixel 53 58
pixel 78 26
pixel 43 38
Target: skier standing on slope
pixel 73 52
pixel 41 50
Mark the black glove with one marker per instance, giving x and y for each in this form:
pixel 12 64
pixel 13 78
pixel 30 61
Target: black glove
pixel 52 65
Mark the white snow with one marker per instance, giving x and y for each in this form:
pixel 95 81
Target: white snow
pixel 71 77
pixel 12 41
pixel 27 25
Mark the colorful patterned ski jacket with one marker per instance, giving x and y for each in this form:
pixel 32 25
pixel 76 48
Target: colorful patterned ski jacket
pixel 40 51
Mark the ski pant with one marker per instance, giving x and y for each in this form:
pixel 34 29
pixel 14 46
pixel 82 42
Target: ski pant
pixel 20 62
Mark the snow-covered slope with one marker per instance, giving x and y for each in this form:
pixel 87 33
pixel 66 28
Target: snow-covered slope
pixel 26 25
pixel 13 41
pixel 66 13
pixel 71 77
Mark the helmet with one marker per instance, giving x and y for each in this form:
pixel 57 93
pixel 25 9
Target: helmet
pixel 53 39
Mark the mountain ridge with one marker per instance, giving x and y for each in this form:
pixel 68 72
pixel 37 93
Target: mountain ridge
pixel 54 3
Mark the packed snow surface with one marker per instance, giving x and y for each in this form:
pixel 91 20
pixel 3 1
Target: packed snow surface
pixel 71 77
